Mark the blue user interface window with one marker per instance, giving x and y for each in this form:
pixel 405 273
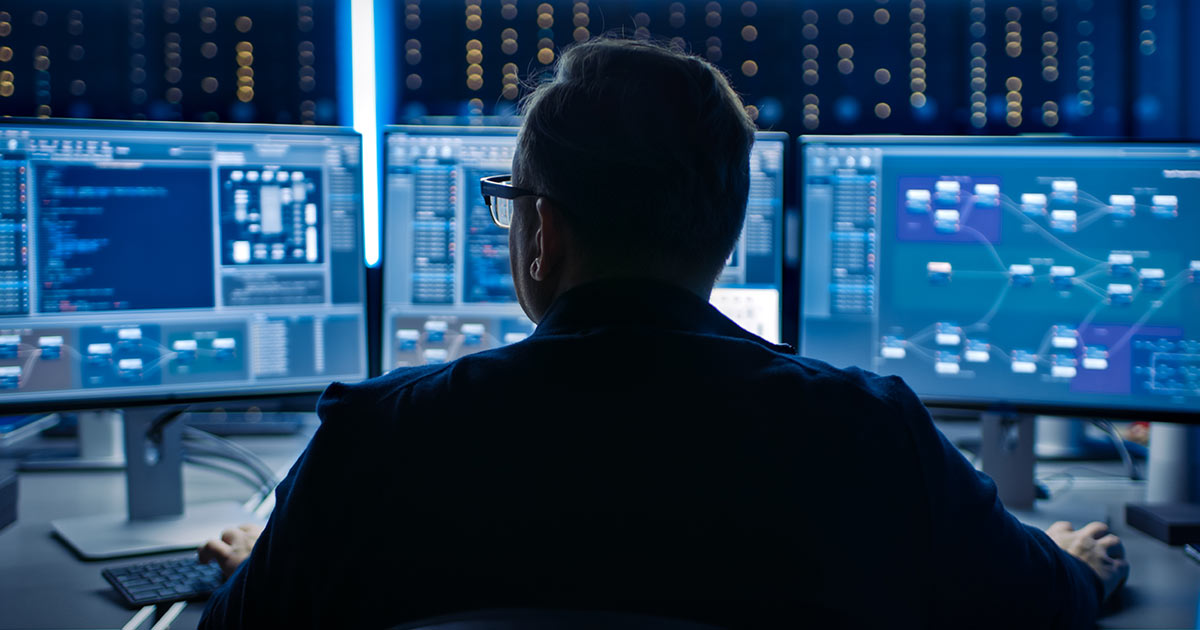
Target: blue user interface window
pixel 1059 274
pixel 142 260
pixel 448 290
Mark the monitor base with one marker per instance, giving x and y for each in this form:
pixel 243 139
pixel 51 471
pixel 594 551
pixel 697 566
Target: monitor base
pixel 66 463
pixel 115 536
pixel 101 445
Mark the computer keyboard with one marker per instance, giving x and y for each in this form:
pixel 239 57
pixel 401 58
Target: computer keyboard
pixel 168 580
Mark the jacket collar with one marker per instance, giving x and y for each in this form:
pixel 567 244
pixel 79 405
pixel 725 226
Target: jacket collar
pixel 643 303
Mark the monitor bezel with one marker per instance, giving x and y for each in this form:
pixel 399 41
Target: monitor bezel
pixel 98 399
pixel 993 405
pixel 439 129
pixel 780 221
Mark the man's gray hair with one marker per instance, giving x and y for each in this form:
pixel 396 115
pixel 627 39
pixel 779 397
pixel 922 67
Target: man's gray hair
pixel 647 150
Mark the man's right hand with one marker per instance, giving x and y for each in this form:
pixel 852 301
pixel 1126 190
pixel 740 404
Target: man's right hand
pixel 232 549
pixel 1100 550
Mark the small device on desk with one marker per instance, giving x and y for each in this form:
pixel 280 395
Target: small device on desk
pixel 162 581
pixel 447 285
pixel 1172 523
pixel 1016 276
pixel 159 265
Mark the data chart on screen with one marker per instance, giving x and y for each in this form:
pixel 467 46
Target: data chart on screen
pixel 1056 272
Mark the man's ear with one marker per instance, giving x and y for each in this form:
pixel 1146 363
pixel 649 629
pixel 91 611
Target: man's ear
pixel 551 241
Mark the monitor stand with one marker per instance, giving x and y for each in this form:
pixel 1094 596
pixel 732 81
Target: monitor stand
pixel 1007 452
pixel 101 445
pixel 1061 438
pixel 1171 512
pixel 156 520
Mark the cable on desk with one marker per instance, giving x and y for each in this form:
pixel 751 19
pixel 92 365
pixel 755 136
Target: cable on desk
pixel 263 486
pixel 1069 474
pixel 1099 473
pixel 200 462
pixel 154 432
pixel 138 621
pixel 235 450
pixel 204 443
pixel 1119 442
pixel 1066 488
pixel 207 450
pixel 168 618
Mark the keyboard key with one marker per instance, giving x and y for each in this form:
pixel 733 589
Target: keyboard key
pixel 164 581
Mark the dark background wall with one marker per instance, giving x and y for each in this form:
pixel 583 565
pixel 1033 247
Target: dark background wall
pixel 243 61
pixel 1094 67
pixel 1087 67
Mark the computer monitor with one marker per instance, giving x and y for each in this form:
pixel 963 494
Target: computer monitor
pixel 1051 275
pixel 158 261
pixel 447 288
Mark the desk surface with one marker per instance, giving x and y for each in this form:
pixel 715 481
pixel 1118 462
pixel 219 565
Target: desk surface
pixel 1164 584
pixel 44 585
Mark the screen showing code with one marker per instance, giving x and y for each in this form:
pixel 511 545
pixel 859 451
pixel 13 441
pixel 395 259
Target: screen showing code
pixel 124 239
pixel 487 277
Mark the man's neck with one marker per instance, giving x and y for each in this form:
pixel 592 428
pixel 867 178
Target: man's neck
pixel 567 282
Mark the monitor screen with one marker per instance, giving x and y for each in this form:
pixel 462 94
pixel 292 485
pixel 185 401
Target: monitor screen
pixel 448 290
pixel 148 260
pixel 1043 274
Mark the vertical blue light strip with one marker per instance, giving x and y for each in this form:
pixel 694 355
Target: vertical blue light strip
pixel 366 123
pixel 387 92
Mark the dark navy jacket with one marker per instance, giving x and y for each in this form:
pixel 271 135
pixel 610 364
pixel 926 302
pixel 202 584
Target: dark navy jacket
pixel 640 452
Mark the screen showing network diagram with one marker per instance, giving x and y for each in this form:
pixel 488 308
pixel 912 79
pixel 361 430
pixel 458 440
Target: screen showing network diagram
pixel 448 290
pixel 172 260
pixel 1051 273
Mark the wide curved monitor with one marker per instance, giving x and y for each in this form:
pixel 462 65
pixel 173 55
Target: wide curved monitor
pixel 447 287
pixel 155 261
pixel 1049 274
